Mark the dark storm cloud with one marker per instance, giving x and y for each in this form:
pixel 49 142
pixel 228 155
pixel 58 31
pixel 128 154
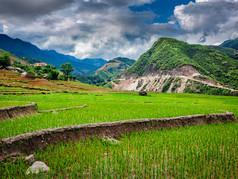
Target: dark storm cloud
pixel 1 28
pixel 91 6
pixel 30 8
pixel 85 28
pixel 109 28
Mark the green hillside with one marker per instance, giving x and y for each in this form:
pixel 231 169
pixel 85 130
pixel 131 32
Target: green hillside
pixel 107 72
pixel 123 60
pixel 15 59
pixel 114 67
pixel 231 44
pixel 168 53
pixel 228 51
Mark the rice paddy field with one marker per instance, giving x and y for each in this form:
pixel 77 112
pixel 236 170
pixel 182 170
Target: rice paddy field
pixel 188 152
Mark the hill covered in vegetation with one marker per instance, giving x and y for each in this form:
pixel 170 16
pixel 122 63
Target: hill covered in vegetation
pixel 114 67
pixel 16 60
pixel 107 72
pixel 231 44
pixel 233 53
pixel 168 53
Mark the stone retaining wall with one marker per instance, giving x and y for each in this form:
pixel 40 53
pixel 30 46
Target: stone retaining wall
pixel 29 142
pixel 16 111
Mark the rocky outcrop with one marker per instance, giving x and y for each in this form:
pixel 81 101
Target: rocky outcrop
pixel 14 69
pixel 29 142
pixel 28 75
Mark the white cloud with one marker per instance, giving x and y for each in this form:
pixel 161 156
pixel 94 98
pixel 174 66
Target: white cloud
pixel 93 29
pixel 107 29
pixel 208 21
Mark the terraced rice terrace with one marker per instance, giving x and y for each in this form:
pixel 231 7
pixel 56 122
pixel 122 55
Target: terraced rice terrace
pixel 186 152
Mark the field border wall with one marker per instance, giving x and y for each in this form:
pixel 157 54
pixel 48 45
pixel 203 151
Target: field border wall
pixel 16 111
pixel 30 142
pixel 63 109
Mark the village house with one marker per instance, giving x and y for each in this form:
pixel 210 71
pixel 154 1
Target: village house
pixel 40 64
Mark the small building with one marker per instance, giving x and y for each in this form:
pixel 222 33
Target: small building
pixel 40 64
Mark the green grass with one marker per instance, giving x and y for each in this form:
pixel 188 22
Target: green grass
pixel 109 107
pixel 188 152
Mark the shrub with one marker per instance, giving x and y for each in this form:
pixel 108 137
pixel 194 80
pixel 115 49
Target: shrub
pixel 140 82
pixel 5 60
pixel 167 84
pixel 53 75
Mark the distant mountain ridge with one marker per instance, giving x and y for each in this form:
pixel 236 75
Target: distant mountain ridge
pixel 171 65
pixel 233 53
pixel 229 47
pixel 231 44
pixel 21 48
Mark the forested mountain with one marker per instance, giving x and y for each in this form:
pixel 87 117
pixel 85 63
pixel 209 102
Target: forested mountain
pixel 171 65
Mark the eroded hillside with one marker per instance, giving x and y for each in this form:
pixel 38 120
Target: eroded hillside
pixel 174 66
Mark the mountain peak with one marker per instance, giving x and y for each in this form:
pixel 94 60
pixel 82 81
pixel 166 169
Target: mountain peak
pixel 168 53
pixel 171 65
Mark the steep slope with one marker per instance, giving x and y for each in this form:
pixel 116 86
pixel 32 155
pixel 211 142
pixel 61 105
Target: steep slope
pixel 175 66
pixel 114 68
pixel 13 58
pixel 25 49
pixel 231 44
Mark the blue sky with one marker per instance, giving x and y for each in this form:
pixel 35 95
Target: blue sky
pixel 163 8
pixel 112 28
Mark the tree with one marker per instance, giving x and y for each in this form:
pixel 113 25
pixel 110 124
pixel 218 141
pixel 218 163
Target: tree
pixel 5 60
pixel 53 75
pixel 66 69
pixel 37 68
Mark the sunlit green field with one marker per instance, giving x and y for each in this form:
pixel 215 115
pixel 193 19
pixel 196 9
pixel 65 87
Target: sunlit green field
pixel 188 152
pixel 109 107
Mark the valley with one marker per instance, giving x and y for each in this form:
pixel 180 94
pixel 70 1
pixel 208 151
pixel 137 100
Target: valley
pixel 100 89
pixel 80 130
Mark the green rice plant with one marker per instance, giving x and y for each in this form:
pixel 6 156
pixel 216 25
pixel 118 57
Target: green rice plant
pixel 188 152
pixel 108 108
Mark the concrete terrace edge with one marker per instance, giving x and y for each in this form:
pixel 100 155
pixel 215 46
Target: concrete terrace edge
pixel 16 111
pixel 30 142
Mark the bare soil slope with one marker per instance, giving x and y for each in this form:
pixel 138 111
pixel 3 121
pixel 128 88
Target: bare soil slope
pixel 173 80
